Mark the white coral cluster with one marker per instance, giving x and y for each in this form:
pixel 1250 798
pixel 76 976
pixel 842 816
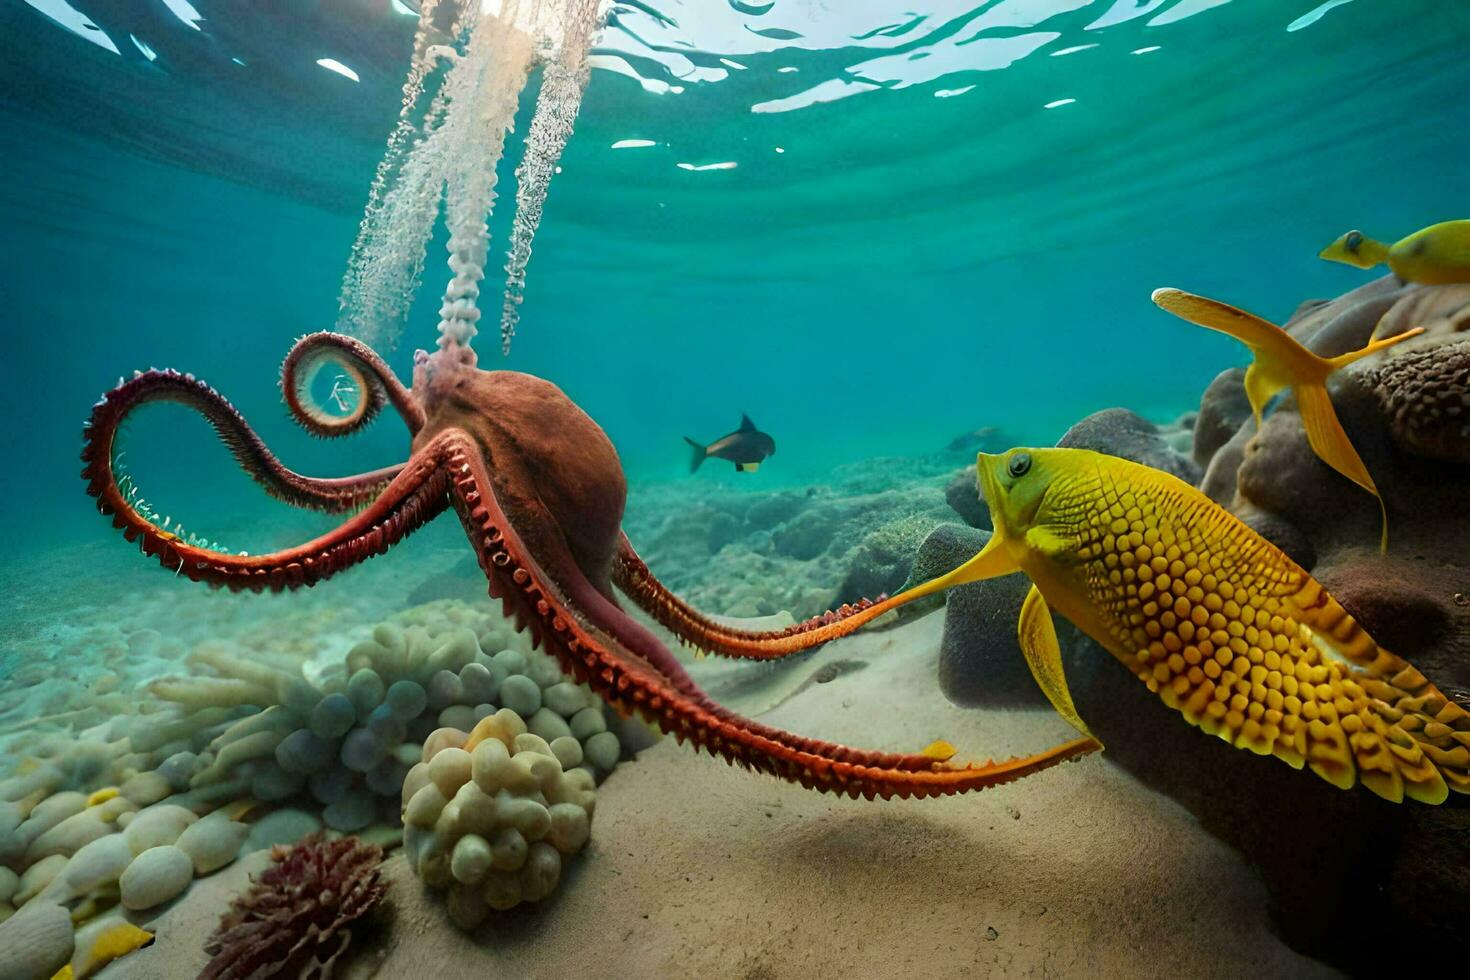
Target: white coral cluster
pixel 490 814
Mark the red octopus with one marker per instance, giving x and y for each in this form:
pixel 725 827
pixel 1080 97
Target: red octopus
pixel 540 492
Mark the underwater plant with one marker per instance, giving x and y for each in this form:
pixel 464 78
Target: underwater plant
pixel 296 918
pixel 470 63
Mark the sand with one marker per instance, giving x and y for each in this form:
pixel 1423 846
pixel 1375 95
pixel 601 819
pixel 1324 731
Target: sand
pixel 698 869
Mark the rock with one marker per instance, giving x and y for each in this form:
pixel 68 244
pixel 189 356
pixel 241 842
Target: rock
pixel 158 825
pixel 213 842
pixel 38 876
pixel 980 659
pixel 1119 432
pixel 99 863
pixel 37 942
pixel 963 494
pixel 280 827
pixel 147 788
pixel 946 548
pixel 158 875
pixel 9 884
pixel 986 439
pixel 1223 409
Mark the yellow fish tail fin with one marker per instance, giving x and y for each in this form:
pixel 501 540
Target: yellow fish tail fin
pixel 1038 636
pixel 1356 249
pixel 1332 446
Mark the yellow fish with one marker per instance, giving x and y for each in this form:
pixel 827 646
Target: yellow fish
pixel 1434 256
pixel 1280 363
pixel 1216 620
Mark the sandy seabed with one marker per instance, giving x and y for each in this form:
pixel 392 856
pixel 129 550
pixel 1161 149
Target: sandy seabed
pixel 699 869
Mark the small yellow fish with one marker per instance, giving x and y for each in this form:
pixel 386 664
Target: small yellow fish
pixel 1280 363
pixel 1211 616
pixel 1433 256
pixel 105 945
pixel 102 796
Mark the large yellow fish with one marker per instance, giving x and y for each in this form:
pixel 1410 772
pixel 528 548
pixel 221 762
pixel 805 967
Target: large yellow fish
pixel 1434 256
pixel 1280 363
pixel 1214 618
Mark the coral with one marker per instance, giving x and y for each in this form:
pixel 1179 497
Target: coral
pixel 1425 394
pixel 489 814
pixel 297 917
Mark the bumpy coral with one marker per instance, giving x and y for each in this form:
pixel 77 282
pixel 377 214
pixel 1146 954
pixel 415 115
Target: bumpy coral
pixel 490 814
pixel 1425 394
pixel 348 741
pixel 296 919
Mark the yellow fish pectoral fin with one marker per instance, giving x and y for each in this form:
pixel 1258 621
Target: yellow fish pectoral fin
pixel 1328 440
pixel 1038 636
pixel 993 561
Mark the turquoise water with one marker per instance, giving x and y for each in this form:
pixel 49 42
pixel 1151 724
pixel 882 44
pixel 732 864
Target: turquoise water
pixel 928 251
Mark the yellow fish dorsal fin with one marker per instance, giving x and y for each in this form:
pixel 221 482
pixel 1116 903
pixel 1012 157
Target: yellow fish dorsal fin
pixel 1038 636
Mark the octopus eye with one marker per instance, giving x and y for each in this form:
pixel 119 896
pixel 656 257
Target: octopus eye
pixel 1019 465
pixel 1354 240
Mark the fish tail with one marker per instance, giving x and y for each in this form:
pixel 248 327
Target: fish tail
pixel 699 454
pixel 1331 444
pixel 1324 430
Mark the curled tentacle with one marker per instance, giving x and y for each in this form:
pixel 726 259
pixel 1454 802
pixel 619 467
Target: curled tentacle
pixel 330 494
pixel 364 386
pixel 625 672
pixel 410 496
pixel 633 577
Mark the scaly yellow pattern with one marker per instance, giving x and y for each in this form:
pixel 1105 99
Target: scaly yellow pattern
pixel 1219 622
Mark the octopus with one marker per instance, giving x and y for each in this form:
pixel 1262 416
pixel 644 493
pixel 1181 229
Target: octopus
pixel 540 492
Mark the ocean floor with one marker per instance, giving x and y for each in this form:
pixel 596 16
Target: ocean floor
pixel 695 867
pixel 699 869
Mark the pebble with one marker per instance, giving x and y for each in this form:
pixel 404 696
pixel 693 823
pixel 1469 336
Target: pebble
pixel 521 694
pixel 212 843
pixel 156 876
pixel 281 827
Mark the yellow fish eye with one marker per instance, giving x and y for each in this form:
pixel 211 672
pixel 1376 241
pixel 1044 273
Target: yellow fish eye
pixel 1354 241
pixel 1019 465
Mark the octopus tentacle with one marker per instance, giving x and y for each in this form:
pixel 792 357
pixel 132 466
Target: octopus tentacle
pixel 332 494
pixel 368 375
pixel 635 580
pixel 667 696
pixel 416 494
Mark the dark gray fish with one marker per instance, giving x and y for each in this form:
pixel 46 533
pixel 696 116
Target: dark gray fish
pixel 745 447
